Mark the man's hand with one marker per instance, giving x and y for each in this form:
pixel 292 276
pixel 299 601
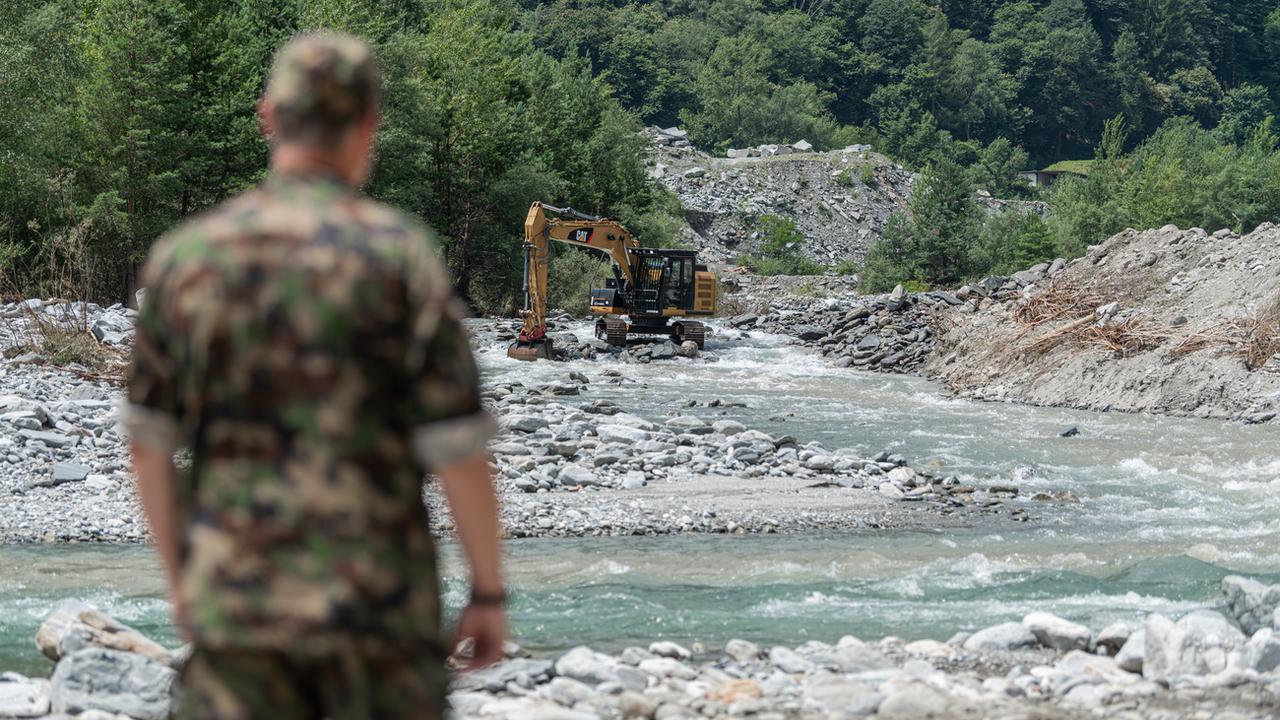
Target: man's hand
pixel 486 626
pixel 468 486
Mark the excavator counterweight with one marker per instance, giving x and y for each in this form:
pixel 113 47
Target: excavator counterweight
pixel 652 292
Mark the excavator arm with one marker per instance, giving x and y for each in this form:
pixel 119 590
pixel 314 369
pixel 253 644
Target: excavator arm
pixel 546 224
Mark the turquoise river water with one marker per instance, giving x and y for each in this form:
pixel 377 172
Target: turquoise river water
pixel 1168 507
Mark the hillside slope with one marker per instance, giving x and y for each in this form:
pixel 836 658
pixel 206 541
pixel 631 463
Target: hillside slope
pixel 1169 321
pixel 839 200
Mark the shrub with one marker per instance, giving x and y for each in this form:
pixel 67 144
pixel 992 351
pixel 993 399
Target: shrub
pixel 573 275
pixel 1009 242
pixel 781 244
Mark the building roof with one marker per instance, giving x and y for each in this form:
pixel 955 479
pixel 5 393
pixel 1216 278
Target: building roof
pixel 1075 167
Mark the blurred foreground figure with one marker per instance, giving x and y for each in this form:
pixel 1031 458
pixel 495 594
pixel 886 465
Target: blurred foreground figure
pixel 305 344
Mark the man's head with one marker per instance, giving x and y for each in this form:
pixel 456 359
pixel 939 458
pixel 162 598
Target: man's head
pixel 320 107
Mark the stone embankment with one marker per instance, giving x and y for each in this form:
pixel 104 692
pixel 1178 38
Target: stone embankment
pixel 1204 664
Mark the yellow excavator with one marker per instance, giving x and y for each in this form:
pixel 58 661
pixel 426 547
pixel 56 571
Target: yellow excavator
pixel 652 291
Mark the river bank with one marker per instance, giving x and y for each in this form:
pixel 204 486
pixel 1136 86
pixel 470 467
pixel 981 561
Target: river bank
pixel 1205 664
pixel 1169 321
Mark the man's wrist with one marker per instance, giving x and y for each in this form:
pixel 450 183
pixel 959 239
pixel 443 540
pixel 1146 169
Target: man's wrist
pixel 487 597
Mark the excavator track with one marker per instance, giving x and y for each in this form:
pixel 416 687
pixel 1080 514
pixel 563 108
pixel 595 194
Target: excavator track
pixel 692 331
pixel 612 331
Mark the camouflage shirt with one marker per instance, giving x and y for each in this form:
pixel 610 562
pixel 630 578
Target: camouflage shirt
pixel 305 344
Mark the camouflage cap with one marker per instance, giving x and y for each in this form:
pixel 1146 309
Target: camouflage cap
pixel 321 84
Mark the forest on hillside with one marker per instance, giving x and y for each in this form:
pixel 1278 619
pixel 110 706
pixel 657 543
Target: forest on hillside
pixel 120 117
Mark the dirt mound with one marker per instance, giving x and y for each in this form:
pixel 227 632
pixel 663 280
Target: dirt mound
pixel 1168 321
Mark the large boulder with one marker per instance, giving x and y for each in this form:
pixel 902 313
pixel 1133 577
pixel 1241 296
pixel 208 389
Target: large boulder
pixel 74 626
pixel 1202 643
pixel 1251 603
pixel 1008 636
pixel 22 697
pixel 1054 632
pixel 621 434
pixel 115 682
pixel 1132 654
pixel 588 666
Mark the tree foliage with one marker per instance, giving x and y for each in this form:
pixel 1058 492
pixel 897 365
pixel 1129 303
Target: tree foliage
pixel 128 115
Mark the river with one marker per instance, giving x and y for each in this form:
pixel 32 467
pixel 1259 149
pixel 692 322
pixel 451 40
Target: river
pixel 1168 506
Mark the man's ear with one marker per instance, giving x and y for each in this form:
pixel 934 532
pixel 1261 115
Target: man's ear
pixel 266 117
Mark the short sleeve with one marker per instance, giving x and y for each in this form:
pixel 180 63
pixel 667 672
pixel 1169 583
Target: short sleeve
pixel 152 410
pixel 448 420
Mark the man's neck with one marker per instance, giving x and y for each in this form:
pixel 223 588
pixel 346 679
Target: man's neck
pixel 298 161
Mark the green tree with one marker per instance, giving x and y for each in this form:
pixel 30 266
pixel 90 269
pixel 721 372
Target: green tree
pixel 781 249
pixel 934 245
pixel 738 105
pixel 1243 109
pixel 137 107
pixel 894 30
pixel 997 168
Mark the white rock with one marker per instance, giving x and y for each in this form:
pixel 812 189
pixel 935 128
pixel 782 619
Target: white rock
pixel 788 660
pixel 588 666
pixel 1262 652
pixel 567 691
pixel 918 701
pixel 114 682
pixel 728 427
pixel 524 423
pixel 74 625
pixel 891 491
pixel 1007 636
pixel 621 434
pixel 1114 636
pixel 838 694
pixel 1131 654
pixel 929 649
pixel 821 463
pixel 1252 604
pixel 742 651
pixel 1056 633
pixel 22 697
pixel 666 667
pixel 689 424
pixel 1202 643
pixel 666 648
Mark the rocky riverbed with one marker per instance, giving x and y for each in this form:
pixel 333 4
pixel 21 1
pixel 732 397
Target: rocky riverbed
pixel 1209 664
pixel 570 461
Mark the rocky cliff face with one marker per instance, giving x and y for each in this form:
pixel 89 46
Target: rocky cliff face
pixel 839 200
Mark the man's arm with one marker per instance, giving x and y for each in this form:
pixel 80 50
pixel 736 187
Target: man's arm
pixel 155 478
pixel 468 487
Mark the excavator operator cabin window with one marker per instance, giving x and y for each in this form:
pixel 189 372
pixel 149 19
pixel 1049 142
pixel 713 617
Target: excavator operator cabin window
pixel 686 274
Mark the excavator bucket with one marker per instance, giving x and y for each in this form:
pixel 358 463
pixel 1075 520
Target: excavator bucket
pixel 535 350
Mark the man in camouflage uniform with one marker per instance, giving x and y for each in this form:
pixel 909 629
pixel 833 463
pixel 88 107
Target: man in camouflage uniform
pixel 305 344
